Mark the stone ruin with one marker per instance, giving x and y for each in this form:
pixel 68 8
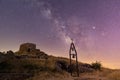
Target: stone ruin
pixel 29 50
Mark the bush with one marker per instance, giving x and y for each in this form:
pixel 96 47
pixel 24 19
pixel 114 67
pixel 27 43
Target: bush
pixel 29 66
pixel 96 65
pixel 6 66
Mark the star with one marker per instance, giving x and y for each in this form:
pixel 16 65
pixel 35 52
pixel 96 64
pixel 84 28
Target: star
pixel 103 34
pixel 94 27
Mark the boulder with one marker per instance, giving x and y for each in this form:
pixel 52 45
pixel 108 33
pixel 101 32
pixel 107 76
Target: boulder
pixel 61 65
pixel 10 54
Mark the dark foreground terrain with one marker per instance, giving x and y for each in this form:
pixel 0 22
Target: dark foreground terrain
pixel 30 63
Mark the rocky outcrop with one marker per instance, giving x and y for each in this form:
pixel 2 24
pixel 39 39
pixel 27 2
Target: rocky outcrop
pixel 61 65
pixel 10 54
pixel 82 68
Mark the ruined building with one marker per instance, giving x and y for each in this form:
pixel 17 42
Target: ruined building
pixel 28 50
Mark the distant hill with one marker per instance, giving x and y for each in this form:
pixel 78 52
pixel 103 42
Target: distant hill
pixel 30 63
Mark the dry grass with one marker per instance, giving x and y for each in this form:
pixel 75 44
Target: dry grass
pixel 45 69
pixel 51 76
pixel 114 75
pixel 105 74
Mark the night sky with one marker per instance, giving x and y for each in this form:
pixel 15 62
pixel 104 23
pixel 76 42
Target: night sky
pixel 94 25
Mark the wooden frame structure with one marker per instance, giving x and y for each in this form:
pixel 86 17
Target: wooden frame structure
pixel 73 54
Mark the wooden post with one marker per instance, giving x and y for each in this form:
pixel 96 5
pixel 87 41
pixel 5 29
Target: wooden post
pixel 73 49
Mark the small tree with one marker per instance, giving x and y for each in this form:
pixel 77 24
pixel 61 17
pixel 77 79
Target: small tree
pixel 96 65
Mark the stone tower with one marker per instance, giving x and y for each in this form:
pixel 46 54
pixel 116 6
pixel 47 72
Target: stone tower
pixel 28 48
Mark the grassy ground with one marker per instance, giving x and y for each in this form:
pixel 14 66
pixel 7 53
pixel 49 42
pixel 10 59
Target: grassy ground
pixel 105 74
pixel 51 76
pixel 42 69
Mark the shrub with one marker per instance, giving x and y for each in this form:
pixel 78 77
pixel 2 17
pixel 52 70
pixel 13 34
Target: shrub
pixel 5 66
pixel 29 66
pixel 96 65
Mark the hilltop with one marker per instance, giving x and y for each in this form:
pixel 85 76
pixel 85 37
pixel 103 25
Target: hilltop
pixel 30 63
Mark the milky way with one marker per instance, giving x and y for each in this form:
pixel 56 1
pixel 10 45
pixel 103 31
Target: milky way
pixel 67 28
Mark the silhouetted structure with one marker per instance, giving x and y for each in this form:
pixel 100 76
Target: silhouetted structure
pixel 73 54
pixel 28 50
